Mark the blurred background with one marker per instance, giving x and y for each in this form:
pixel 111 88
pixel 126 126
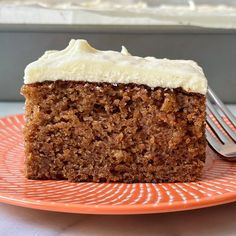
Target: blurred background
pixel 200 30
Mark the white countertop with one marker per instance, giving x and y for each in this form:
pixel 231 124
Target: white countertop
pixel 219 220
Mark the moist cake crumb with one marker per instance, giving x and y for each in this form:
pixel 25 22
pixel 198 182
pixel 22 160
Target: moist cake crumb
pixel 103 132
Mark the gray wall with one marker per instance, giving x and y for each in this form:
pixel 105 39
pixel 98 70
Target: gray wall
pixel 214 50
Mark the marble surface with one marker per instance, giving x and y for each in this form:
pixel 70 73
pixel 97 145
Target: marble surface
pixel 215 221
pixel 218 220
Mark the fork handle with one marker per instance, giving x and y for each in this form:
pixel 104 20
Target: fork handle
pixel 227 112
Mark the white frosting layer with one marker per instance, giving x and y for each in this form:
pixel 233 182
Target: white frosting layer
pixel 213 14
pixel 81 62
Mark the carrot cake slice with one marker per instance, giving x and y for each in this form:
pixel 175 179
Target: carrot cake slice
pixel 106 116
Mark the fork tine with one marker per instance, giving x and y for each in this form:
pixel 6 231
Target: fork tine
pixel 226 111
pixel 212 141
pixel 218 131
pixel 221 121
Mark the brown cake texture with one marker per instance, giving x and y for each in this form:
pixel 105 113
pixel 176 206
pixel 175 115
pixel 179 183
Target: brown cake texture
pixel 104 132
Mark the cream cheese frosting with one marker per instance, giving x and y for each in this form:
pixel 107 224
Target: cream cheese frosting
pixel 210 14
pixel 81 62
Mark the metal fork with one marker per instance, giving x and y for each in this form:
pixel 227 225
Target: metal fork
pixel 224 140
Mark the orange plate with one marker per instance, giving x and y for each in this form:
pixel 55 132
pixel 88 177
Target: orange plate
pixel 217 186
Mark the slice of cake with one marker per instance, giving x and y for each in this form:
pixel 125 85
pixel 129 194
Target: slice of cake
pixel 106 116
